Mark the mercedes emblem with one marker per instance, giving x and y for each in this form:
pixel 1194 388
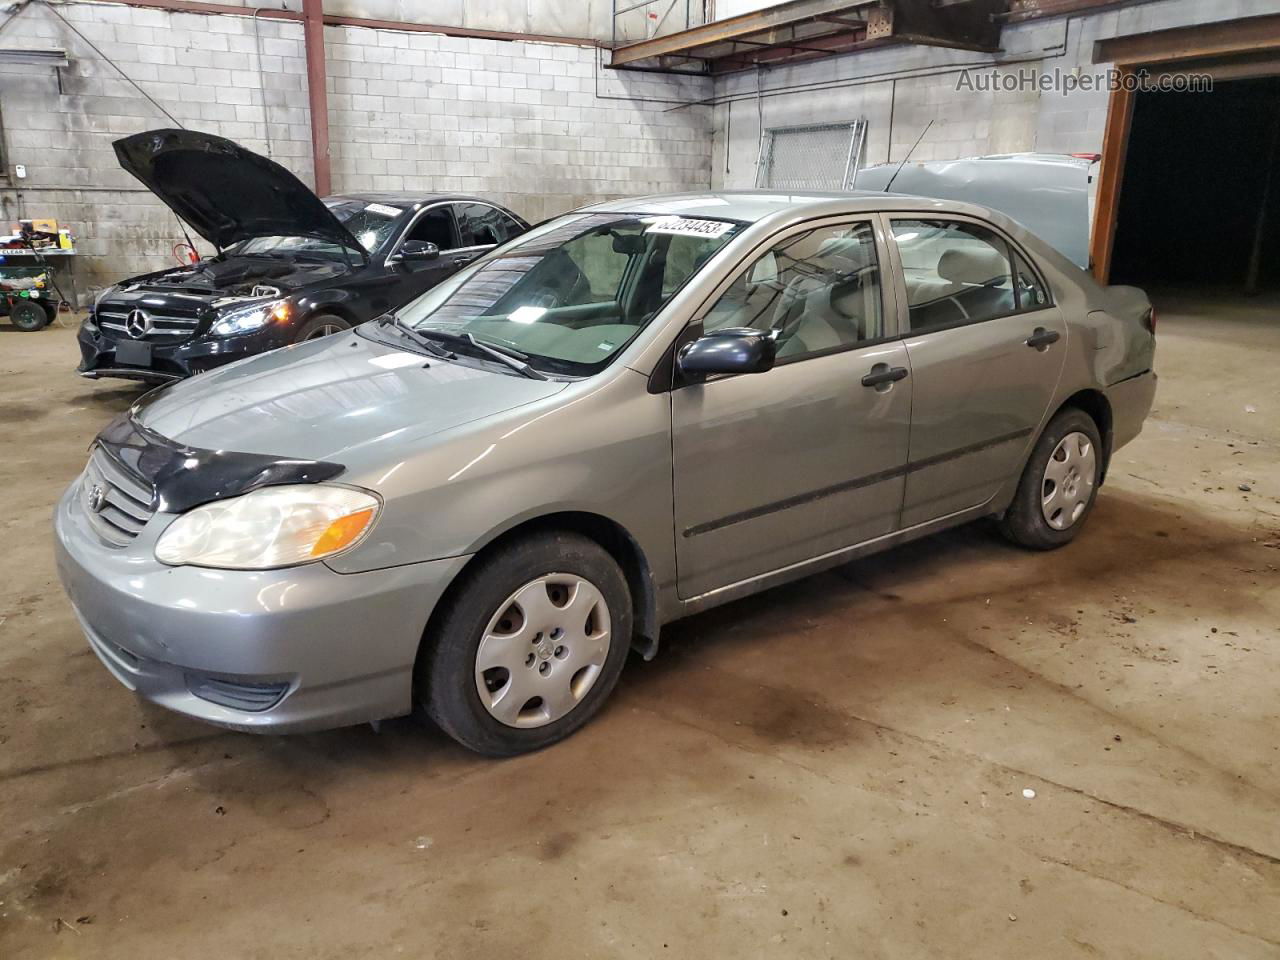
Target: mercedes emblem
pixel 137 324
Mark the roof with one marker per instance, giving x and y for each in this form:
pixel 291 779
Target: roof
pixel 754 205
pixel 402 198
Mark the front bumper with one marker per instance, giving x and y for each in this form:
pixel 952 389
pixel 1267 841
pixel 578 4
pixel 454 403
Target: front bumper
pixel 175 361
pixel 275 651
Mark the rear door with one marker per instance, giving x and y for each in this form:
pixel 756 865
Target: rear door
pixel 777 468
pixel 986 347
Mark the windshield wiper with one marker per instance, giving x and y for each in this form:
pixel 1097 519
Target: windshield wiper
pixel 514 359
pixel 425 343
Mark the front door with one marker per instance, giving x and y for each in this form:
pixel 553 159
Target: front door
pixel 408 277
pixel 986 347
pixel 777 468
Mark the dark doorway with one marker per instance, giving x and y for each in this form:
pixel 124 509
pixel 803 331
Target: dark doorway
pixel 1200 199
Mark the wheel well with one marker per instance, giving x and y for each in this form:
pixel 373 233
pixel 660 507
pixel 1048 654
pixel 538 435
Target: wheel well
pixel 322 308
pixel 603 531
pixel 1096 405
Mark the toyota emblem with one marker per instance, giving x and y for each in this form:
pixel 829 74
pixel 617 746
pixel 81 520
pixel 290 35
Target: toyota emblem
pixel 97 498
pixel 138 323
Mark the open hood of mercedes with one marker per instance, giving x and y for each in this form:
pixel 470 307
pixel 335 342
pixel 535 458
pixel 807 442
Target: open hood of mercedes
pixel 225 192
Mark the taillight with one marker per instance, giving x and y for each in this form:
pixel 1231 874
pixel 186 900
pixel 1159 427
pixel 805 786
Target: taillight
pixel 1150 321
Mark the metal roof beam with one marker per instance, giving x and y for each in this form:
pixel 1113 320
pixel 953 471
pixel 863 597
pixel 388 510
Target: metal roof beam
pixel 722 31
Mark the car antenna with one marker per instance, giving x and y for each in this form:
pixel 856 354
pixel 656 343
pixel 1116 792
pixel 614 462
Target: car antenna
pixel 889 185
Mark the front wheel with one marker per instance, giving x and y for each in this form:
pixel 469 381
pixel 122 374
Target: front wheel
pixel 1059 485
pixel 530 646
pixel 321 325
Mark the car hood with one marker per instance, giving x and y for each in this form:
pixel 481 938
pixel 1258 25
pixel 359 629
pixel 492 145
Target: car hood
pixel 225 192
pixel 1046 193
pixel 345 399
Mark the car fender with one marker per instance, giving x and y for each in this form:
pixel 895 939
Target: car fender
pixel 600 447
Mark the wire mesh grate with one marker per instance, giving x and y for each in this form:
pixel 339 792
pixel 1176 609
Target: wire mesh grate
pixel 822 156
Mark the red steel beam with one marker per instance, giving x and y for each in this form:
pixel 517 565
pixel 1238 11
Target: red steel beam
pixel 336 20
pixel 317 92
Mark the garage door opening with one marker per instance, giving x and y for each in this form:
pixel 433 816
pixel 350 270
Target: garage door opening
pixel 1200 203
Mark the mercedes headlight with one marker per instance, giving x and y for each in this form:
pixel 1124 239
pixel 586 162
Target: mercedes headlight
pixel 246 319
pixel 270 527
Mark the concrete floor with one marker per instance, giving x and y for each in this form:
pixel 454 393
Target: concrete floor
pixel 839 768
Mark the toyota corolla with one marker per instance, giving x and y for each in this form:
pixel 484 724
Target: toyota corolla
pixel 476 506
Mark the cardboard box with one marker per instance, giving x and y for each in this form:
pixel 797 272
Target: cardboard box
pixel 39 226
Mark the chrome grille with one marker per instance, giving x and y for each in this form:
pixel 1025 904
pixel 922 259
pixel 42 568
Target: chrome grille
pixel 164 327
pixel 121 506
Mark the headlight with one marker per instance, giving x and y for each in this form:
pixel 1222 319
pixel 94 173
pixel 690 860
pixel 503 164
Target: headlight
pixel 270 527
pixel 253 317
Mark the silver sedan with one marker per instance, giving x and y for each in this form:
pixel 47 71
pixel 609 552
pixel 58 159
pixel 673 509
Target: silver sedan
pixel 475 507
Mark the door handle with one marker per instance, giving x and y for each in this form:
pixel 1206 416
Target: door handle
pixel 882 374
pixel 1042 338
pixel 462 261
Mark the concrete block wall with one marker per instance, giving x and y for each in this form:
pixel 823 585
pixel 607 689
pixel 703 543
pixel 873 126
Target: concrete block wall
pixel 899 90
pixel 203 70
pixel 539 127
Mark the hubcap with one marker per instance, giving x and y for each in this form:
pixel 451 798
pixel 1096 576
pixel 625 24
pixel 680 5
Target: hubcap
pixel 543 650
pixel 1068 482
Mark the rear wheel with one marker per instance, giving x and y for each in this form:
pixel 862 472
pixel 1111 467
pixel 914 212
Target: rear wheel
pixel 1059 485
pixel 529 647
pixel 321 325
pixel 28 316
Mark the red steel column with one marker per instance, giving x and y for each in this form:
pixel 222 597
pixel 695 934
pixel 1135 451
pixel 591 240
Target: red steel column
pixel 317 92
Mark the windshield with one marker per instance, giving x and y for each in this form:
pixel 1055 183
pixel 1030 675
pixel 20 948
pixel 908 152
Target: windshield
pixel 370 223
pixel 572 293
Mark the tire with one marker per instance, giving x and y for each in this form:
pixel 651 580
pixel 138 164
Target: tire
pixel 321 325
pixel 28 316
pixel 564 657
pixel 1052 505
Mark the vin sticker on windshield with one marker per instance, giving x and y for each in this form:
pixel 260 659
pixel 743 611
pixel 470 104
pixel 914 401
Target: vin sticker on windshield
pixel 383 210
pixel 685 227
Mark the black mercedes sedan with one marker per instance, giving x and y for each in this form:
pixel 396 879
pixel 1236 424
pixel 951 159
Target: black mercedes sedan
pixel 290 266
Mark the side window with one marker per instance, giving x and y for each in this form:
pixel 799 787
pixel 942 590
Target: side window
pixel 1031 292
pixel 480 225
pixel 818 291
pixel 955 272
pixel 434 226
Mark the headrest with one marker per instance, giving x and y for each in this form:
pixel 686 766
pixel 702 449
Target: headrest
pixel 973 267
pixel 850 248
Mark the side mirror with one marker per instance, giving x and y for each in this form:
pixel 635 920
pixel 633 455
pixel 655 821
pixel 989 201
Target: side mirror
pixel 416 250
pixel 731 350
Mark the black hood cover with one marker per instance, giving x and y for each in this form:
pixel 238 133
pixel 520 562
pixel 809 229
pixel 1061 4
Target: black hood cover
pixel 183 477
pixel 225 192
